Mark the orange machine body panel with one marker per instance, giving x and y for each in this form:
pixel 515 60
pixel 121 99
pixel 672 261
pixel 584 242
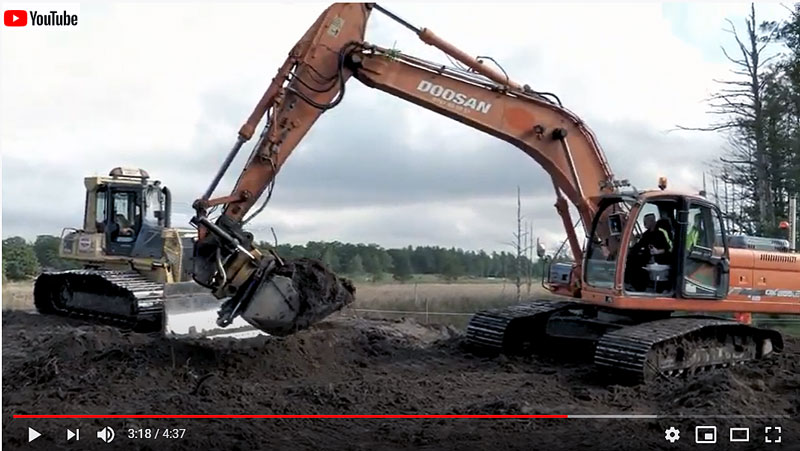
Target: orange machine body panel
pixel 764 276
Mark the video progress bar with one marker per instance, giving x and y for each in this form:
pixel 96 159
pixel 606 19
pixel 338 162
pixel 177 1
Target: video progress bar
pixel 400 416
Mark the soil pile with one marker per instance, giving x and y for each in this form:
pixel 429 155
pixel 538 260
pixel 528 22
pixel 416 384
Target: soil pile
pixel 355 366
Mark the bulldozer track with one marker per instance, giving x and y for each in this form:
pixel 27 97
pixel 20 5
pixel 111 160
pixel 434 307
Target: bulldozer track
pixel 677 346
pixel 137 302
pixel 489 331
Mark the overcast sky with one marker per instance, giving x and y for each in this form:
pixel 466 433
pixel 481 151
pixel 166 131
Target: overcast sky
pixel 165 87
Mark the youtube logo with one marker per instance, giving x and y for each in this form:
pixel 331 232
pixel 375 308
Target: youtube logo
pixel 40 18
pixel 15 18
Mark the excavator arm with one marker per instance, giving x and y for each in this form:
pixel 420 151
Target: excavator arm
pixel 313 80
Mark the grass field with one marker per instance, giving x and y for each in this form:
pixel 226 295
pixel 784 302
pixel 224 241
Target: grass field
pixel 442 303
pixel 382 300
pixel 17 296
pixel 448 303
pixel 465 296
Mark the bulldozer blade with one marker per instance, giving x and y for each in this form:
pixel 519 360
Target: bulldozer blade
pixel 190 311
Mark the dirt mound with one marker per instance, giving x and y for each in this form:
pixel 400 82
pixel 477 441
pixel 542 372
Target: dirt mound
pixel 320 292
pixel 355 366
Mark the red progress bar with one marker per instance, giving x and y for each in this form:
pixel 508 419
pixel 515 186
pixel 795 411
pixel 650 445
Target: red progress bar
pixel 289 416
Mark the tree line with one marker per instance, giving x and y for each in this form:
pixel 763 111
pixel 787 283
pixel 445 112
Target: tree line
pixel 402 263
pixel 24 260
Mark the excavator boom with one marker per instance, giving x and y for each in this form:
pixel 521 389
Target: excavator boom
pixel 313 79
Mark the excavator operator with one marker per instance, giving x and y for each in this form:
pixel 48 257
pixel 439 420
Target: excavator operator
pixel 654 243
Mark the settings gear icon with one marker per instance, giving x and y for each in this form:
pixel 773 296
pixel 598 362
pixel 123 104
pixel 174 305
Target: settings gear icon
pixel 672 435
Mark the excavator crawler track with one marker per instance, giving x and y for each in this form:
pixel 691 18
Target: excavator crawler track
pixel 123 299
pixel 680 346
pixel 512 329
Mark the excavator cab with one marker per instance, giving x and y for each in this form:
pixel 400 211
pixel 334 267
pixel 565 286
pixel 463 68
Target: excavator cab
pixel 659 245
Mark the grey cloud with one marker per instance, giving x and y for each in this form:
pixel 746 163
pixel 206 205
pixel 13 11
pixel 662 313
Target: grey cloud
pixel 37 201
pixel 355 156
pixel 358 156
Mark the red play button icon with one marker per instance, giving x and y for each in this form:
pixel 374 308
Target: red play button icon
pixel 15 18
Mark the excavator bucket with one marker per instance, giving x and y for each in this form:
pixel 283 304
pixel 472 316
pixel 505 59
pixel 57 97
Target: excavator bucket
pixel 291 298
pixel 190 311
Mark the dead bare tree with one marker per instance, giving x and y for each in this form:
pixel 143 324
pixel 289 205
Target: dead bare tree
pixel 523 264
pixel 529 261
pixel 519 239
pixel 520 245
pixel 740 104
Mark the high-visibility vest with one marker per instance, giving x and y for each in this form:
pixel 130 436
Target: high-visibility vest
pixel 691 237
pixel 666 236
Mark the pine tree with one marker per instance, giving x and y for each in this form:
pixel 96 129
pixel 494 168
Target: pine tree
pixel 356 265
pixel 19 259
pixel 401 265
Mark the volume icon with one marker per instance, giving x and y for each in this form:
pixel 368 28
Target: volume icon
pixel 106 434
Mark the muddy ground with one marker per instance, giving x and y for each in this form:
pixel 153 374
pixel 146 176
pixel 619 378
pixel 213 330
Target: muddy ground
pixel 356 366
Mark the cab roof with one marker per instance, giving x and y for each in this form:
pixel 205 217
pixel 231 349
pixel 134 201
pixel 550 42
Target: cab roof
pixel 645 195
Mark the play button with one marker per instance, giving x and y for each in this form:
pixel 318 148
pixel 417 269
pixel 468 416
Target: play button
pixel 33 434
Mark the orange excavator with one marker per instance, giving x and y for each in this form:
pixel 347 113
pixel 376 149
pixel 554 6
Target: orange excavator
pixel 629 295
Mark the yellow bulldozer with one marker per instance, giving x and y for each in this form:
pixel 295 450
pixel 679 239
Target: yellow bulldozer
pixel 129 250
pixel 139 272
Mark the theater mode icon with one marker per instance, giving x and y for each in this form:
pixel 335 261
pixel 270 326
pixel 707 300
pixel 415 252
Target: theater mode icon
pixel 739 435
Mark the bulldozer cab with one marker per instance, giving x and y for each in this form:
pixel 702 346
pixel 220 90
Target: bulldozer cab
pixel 130 212
pixel 124 215
pixel 658 244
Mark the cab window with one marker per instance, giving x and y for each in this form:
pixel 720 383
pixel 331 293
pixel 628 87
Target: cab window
pixel 604 245
pixel 125 217
pixel 101 215
pixel 154 207
pixel 651 258
pixel 704 246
